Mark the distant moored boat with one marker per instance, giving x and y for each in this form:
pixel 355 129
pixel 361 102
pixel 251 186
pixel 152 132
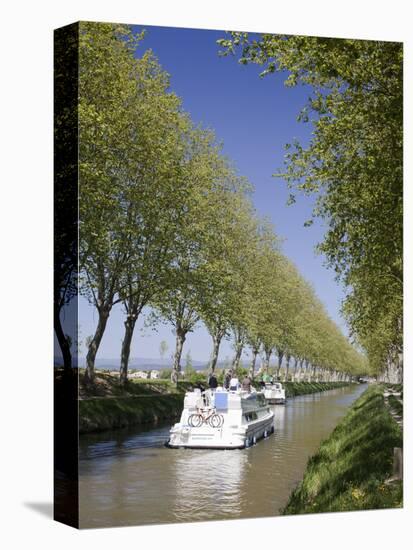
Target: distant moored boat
pixel 274 393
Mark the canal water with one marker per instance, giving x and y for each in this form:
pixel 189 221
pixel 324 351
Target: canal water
pixel 128 477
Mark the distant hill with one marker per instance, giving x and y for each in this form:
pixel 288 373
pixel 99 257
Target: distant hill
pixel 142 363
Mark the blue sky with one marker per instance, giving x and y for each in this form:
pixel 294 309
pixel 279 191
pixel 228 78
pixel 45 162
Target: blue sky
pixel 253 117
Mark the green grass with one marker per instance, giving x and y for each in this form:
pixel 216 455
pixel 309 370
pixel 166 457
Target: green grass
pixel 118 412
pixel 351 466
pixel 395 405
pixel 302 388
pixel 106 385
pixel 106 404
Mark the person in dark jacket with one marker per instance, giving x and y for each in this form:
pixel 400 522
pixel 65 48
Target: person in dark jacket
pixel 227 379
pixel 212 381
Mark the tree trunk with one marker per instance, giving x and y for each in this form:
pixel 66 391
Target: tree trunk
pixel 180 340
pixel 268 352
pixel 63 343
pixel 216 339
pixel 313 373
pixel 253 361
pixel 237 356
pixel 306 363
pixel 287 366
pixel 300 369
pixel 280 360
pixel 400 367
pixel 129 323
pixel 95 343
pixel 294 369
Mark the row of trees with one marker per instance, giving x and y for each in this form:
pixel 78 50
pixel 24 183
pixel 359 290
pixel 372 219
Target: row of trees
pixel 166 222
pixel 354 164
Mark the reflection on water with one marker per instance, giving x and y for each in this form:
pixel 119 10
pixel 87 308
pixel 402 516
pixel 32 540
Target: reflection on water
pixel 128 477
pixel 201 491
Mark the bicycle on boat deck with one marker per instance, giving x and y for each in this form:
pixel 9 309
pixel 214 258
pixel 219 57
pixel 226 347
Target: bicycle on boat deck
pixel 206 416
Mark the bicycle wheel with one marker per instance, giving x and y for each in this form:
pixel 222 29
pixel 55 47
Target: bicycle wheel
pixel 195 420
pixel 216 420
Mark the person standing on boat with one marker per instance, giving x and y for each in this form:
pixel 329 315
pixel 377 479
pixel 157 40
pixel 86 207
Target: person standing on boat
pixel 234 383
pixel 227 379
pixel 246 384
pixel 266 378
pixel 212 381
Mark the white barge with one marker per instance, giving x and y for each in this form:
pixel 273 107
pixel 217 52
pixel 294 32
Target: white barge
pixel 222 419
pixel 274 393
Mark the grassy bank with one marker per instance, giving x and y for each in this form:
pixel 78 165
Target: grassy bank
pixel 395 405
pixel 106 385
pixel 301 388
pixel 107 405
pixel 118 412
pixel 350 470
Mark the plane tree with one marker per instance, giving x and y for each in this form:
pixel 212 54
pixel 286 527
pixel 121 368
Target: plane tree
pixel 129 159
pixel 158 193
pixel 182 295
pixel 103 122
pixel 228 262
pixel 352 163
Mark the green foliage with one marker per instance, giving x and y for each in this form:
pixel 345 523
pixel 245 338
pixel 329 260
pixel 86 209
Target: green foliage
pixel 353 163
pixel 396 405
pixel 167 222
pixel 241 372
pixel 165 374
pixel 133 175
pixel 189 288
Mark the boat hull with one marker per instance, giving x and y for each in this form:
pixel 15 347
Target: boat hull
pixel 276 400
pixel 183 436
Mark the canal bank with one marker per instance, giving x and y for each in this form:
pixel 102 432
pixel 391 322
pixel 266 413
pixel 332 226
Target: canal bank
pixel 353 467
pixel 109 413
pixel 106 406
pixel 292 389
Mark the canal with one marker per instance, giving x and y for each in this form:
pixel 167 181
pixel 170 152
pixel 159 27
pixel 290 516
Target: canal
pixel 128 477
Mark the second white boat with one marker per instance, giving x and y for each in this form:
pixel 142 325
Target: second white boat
pixel 274 393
